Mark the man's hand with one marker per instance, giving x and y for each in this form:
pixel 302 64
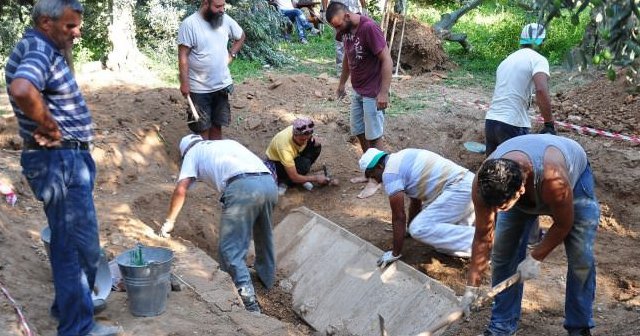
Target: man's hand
pixel 166 228
pixel 471 293
pixel 529 268
pixel 341 92
pixel 185 89
pixel 387 259
pixel 548 128
pixel 321 179
pixel 382 100
pixel 48 134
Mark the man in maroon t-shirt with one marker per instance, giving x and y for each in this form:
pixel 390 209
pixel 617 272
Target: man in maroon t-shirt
pixel 368 61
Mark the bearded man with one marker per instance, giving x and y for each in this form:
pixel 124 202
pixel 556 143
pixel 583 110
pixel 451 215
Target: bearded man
pixel 203 63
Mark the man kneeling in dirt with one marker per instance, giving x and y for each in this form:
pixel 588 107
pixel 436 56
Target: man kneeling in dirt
pixel 248 197
pixel 291 154
pixel 523 178
pixel 440 209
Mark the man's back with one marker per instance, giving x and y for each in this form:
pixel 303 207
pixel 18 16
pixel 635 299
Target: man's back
pixel 214 161
pixel 421 174
pixel 514 86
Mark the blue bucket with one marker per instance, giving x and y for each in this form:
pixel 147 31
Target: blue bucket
pixel 147 283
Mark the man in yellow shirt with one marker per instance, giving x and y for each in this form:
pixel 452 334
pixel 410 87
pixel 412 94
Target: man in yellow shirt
pixel 292 152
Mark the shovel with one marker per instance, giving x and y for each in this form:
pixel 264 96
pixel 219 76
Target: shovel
pixel 458 312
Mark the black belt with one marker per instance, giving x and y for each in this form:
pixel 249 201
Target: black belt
pixel 65 144
pixel 239 176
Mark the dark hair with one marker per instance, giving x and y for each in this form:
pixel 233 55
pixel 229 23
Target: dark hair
pixel 499 180
pixel 335 8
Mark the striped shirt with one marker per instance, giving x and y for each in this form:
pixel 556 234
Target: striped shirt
pixel 421 174
pixel 37 59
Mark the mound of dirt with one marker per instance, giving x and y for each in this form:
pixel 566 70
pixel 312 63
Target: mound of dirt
pixel 421 48
pixel 601 104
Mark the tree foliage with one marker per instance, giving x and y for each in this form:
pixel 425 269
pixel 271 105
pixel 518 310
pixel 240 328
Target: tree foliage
pixel 263 25
pixel 612 35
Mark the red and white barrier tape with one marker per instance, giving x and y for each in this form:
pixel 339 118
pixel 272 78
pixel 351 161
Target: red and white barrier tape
pixel 593 131
pixel 23 321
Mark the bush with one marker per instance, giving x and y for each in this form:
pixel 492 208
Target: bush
pixel 263 25
pixel 14 19
pixel 157 23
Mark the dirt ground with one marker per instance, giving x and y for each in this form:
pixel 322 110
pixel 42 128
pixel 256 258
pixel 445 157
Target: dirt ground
pixel 139 122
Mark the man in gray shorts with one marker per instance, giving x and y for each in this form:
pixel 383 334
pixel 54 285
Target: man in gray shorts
pixel 203 61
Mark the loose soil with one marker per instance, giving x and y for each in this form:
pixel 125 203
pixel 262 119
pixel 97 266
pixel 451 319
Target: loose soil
pixel 139 122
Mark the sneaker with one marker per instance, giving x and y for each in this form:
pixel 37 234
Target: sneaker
pixel 103 330
pixel 249 300
pixel 282 188
pixel 314 31
pixel 308 185
pixel 304 41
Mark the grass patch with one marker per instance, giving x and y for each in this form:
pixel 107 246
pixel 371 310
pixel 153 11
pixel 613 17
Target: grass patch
pixel 493 30
pixel 414 102
pixel 314 58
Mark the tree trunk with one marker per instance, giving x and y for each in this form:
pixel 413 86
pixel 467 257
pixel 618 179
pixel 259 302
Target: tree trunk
pixel 447 21
pixel 122 35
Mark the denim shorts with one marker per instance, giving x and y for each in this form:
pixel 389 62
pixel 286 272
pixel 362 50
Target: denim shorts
pixel 366 118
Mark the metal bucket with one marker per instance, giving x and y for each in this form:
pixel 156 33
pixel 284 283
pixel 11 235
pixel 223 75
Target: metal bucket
pixel 147 285
pixel 102 286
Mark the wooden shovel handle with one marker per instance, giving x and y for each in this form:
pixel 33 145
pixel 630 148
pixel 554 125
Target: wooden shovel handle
pixel 457 313
pixel 196 116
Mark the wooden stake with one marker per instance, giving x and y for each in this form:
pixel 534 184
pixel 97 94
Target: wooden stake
pixel 404 21
pixel 393 32
pixel 196 116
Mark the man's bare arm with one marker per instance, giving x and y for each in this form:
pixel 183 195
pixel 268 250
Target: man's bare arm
pixel 183 69
pixel 482 240
pixel 398 221
pixel 543 99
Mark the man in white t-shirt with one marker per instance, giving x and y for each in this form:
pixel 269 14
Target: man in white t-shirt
pixel 248 194
pixel 203 61
pixel 441 212
pixel 516 78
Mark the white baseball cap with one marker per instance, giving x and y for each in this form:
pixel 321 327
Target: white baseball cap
pixel 186 141
pixel 370 158
pixel 533 33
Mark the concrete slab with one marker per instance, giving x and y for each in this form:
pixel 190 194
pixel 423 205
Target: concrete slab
pixel 215 287
pixel 338 289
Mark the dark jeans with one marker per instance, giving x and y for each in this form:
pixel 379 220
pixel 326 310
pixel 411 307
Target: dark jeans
pixel 63 180
pixel 213 109
pixel 497 132
pixel 303 162
pixel 297 17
